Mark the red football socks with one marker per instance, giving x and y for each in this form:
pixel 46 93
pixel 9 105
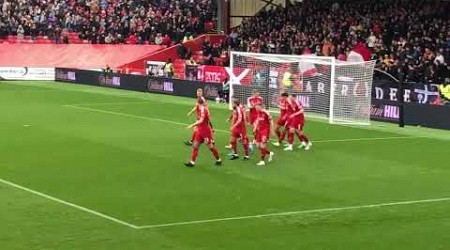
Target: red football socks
pixel 291 138
pixel 278 133
pixel 303 138
pixel 261 152
pixel 194 154
pixel 282 136
pixel 264 152
pixel 234 147
pixel 246 146
pixel 215 153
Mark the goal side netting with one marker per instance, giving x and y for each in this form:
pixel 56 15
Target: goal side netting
pixel 327 88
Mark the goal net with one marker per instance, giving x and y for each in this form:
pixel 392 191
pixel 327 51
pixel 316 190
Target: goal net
pixel 327 88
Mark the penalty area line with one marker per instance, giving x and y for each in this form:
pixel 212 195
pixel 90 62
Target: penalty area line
pixel 312 211
pixel 227 132
pixel 87 210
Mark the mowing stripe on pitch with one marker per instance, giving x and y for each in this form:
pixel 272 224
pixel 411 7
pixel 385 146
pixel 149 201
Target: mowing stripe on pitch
pixel 87 210
pixel 224 131
pixel 321 210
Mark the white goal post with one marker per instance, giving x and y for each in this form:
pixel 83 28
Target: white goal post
pixel 336 90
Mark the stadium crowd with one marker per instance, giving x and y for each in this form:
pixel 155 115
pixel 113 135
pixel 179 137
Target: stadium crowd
pixel 107 21
pixel 409 38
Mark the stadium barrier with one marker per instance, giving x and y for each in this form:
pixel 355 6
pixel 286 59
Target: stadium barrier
pixel 417 97
pixel 27 73
pixel 140 83
pixel 202 73
pixel 430 116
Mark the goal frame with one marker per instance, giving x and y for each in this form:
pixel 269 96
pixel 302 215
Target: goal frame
pixel 327 60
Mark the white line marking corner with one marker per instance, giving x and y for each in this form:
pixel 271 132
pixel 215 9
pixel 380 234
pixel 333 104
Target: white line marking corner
pixel 87 210
pixel 321 210
pixel 121 222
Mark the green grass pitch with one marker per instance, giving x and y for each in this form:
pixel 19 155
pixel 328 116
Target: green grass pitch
pixel 94 168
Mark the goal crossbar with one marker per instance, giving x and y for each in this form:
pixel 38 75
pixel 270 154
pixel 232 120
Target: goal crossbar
pixel 340 91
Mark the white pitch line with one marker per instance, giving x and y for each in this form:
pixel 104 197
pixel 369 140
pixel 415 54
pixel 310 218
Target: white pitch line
pixel 107 103
pixel 322 210
pixel 134 116
pixel 224 131
pixel 90 211
pixel 366 139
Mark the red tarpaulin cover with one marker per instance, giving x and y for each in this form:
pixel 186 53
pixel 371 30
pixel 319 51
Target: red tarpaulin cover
pixel 82 56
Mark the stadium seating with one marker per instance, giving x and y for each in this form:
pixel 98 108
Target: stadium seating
pixel 410 39
pixel 82 56
pixel 104 21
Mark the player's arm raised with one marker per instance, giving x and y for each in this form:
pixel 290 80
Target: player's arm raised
pixel 249 103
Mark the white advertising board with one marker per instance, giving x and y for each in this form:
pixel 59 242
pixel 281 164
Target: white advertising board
pixel 26 73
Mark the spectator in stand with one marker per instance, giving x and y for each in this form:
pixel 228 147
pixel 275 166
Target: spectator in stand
pixel 109 39
pixel 20 33
pixel 439 57
pixel 133 39
pixel 158 39
pixel 125 17
pixel 371 40
pixel 208 60
pixel 166 41
pixel 187 37
pixel 182 51
pixel 191 61
pixel 406 36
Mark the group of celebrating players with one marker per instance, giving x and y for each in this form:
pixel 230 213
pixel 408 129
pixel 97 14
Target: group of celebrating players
pixel 290 122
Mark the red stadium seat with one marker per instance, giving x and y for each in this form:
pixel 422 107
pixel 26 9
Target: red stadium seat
pixel 12 39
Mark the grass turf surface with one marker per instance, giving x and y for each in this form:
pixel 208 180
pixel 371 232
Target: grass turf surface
pixel 120 153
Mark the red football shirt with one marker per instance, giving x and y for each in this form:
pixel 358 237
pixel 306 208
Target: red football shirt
pixel 204 125
pixel 290 107
pixel 239 116
pixel 283 107
pixel 296 106
pixel 264 120
pixel 198 106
